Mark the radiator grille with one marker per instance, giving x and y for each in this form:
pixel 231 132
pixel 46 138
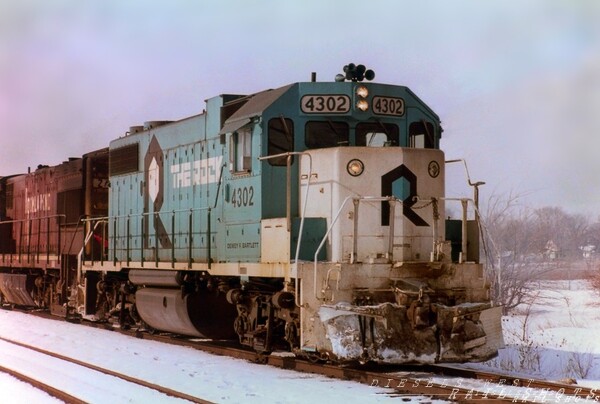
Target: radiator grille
pixel 124 159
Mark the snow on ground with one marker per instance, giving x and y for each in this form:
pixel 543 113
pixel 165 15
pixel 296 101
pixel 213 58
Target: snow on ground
pixel 210 377
pixel 15 391
pixel 555 337
pixel 86 384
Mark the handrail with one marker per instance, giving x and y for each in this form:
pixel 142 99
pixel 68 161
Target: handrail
pixel 464 219
pixel 128 217
pixel 356 200
pixel 333 221
pixel 58 230
pixel 288 208
pixel 465 206
pixel 85 241
pixel 33 218
pixel 145 214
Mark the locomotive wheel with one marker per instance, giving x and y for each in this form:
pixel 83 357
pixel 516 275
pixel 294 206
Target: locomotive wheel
pixel 284 300
pixel 291 334
pixel 240 325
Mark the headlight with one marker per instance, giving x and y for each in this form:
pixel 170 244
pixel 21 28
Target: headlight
pixel 361 101
pixel 362 91
pixel 355 167
pixel 362 105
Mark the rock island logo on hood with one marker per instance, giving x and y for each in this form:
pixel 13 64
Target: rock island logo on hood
pixel 154 178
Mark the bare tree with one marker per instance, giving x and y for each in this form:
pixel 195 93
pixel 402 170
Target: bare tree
pixel 567 231
pixel 516 250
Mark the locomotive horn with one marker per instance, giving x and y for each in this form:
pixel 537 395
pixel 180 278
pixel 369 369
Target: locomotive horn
pixel 354 72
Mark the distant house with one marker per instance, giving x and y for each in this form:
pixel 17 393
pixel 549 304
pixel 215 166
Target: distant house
pixel 551 250
pixel 588 251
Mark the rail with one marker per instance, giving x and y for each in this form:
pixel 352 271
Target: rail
pixel 48 238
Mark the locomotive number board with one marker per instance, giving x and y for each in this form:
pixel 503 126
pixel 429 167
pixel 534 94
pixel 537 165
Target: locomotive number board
pixel 325 104
pixel 388 106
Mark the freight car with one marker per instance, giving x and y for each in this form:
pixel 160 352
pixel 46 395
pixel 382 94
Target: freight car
pixel 309 218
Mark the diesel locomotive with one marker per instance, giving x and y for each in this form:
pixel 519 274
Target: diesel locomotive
pixel 309 218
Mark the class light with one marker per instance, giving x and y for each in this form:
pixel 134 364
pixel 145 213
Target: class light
pixel 362 91
pixel 355 167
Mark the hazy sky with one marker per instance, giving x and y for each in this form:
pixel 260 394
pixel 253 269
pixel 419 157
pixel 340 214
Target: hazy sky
pixel 516 83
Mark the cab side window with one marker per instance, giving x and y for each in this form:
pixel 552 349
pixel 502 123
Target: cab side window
pixel 421 135
pixel 280 140
pixel 240 150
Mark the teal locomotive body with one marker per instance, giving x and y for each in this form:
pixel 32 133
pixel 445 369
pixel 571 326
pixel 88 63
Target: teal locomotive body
pixel 210 162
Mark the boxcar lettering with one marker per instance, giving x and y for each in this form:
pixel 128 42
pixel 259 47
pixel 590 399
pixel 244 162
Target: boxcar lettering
pixel 37 203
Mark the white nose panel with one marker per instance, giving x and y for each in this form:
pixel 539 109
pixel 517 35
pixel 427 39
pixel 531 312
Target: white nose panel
pixel 414 177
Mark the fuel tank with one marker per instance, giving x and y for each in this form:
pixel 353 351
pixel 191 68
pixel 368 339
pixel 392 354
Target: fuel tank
pixel 14 289
pixel 201 314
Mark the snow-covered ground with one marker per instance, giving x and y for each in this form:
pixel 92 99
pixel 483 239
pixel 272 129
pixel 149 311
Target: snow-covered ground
pixel 17 392
pixel 556 337
pixel 210 377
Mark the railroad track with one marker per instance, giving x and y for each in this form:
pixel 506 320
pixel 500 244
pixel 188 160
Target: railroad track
pixel 444 382
pixel 449 383
pixel 84 371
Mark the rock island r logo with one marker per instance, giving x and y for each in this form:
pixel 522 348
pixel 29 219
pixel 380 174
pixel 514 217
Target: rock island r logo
pixel 387 185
